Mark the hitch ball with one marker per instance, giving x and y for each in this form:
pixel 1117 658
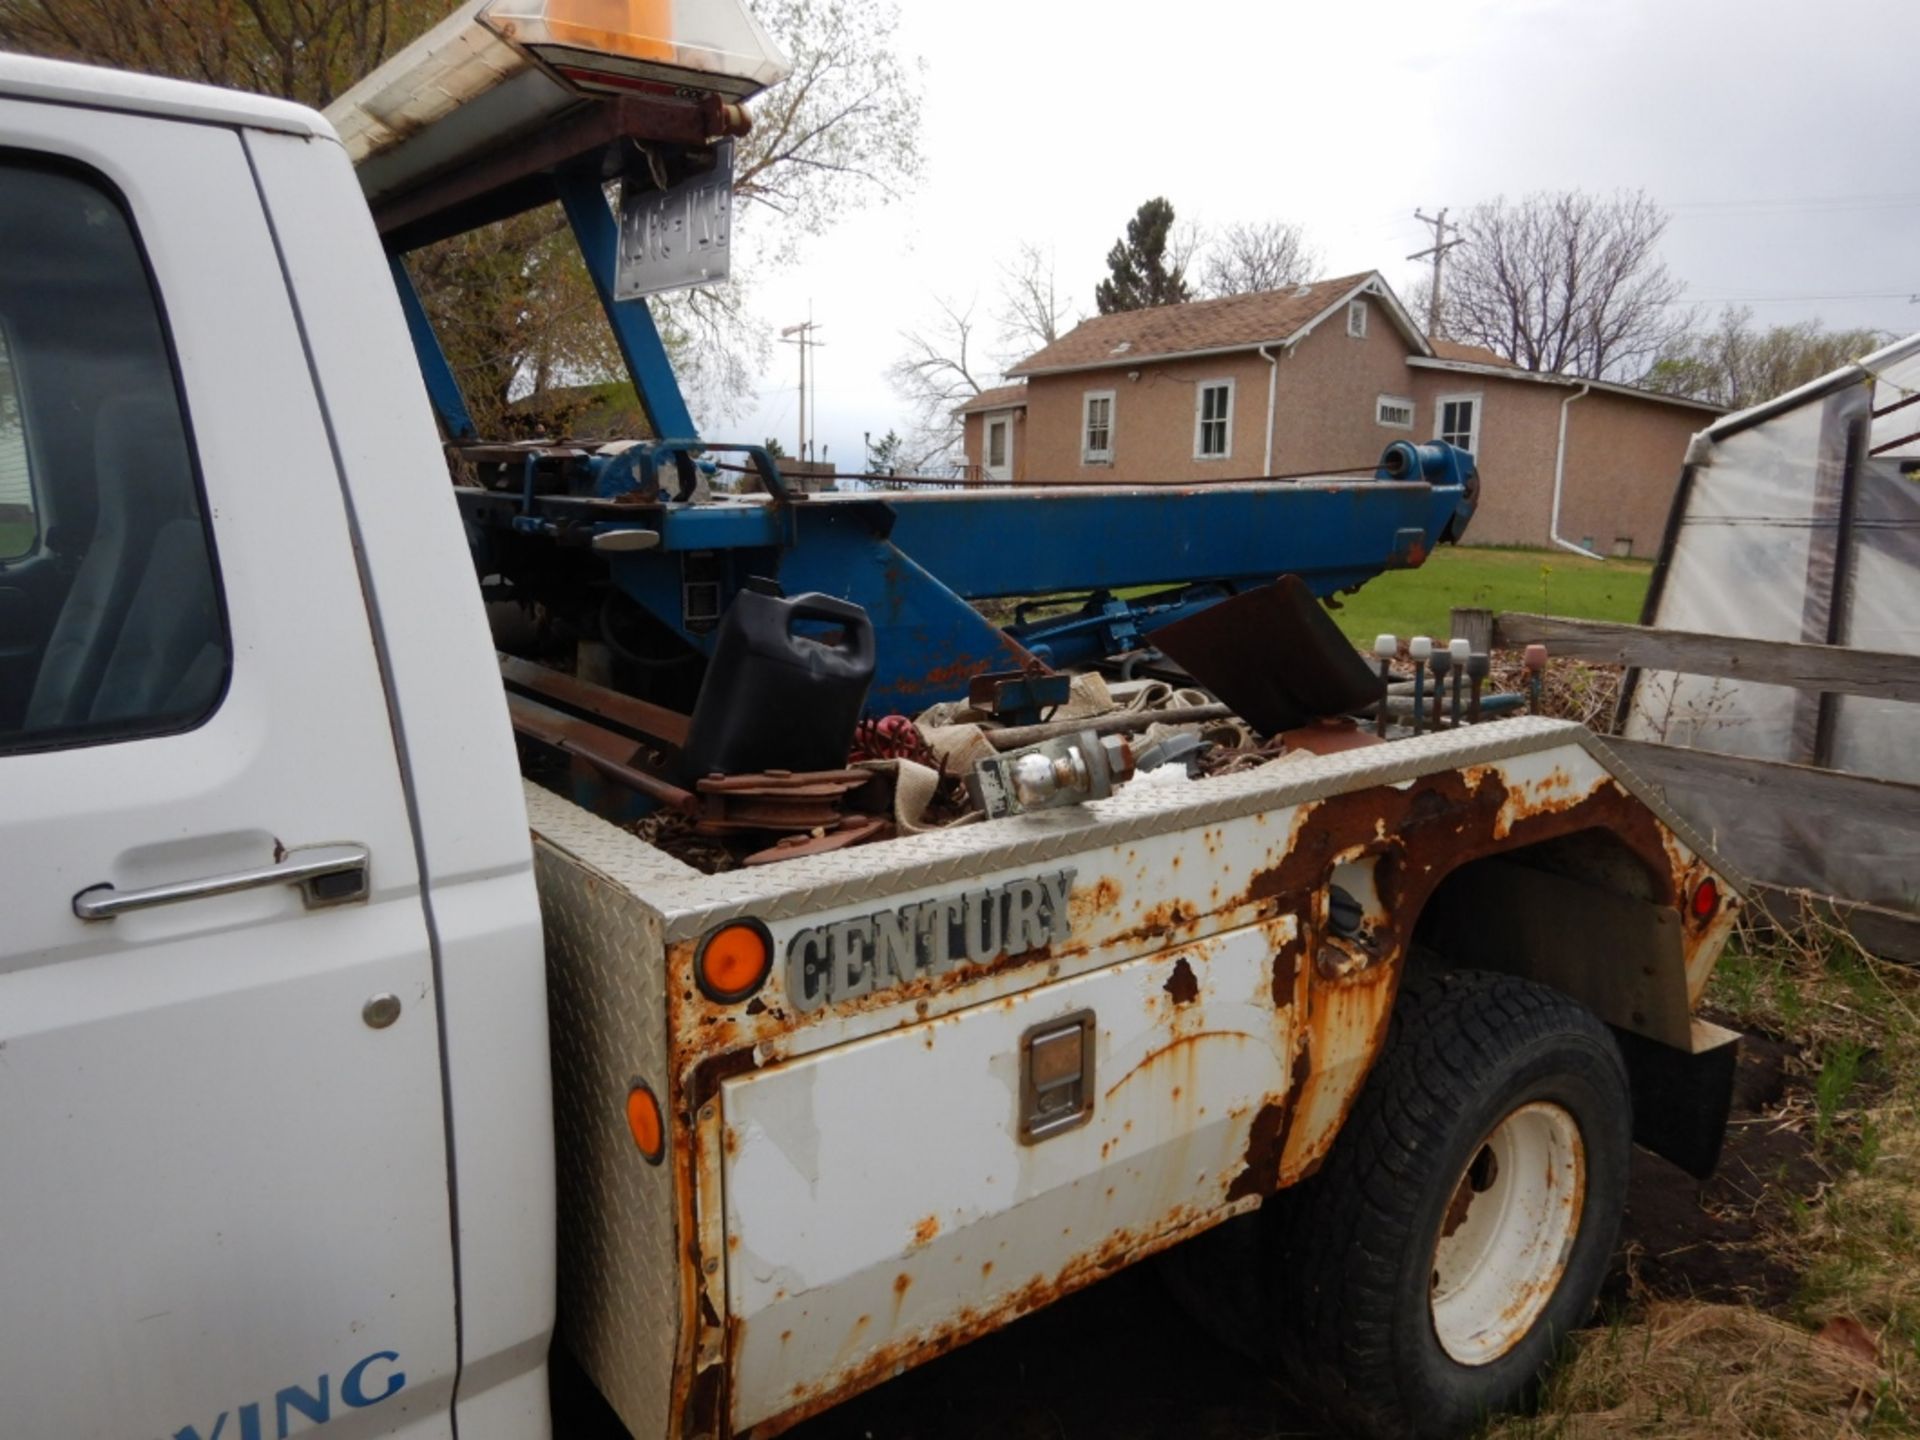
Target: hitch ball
pixel 1067 770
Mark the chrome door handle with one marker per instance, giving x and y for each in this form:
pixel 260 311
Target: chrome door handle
pixel 326 875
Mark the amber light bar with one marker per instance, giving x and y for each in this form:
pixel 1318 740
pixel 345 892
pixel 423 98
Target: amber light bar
pixel 496 68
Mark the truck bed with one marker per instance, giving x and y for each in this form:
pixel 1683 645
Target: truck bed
pixel 846 1191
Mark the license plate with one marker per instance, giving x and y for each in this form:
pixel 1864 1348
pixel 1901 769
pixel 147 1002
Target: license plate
pixel 678 237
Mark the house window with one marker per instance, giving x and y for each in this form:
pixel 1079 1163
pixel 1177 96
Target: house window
pixel 1393 410
pixel 1096 431
pixel 999 446
pixel 1460 421
pixel 1213 420
pixel 1357 319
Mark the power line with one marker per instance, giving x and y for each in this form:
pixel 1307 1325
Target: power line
pixel 1888 199
pixel 1908 295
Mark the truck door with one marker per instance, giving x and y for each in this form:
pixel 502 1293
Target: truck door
pixel 223 1198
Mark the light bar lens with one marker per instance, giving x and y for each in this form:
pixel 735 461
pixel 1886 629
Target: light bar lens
pixel 620 45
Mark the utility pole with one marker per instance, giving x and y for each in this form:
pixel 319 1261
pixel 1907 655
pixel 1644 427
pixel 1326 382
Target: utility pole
pixel 1438 250
pixel 802 335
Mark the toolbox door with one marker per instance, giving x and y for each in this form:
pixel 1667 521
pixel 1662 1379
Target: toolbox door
pixel 890 1194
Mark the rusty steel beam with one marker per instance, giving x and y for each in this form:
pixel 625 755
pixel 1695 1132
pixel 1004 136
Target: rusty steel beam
pixel 611 754
pixel 1015 736
pixel 516 177
pixel 601 703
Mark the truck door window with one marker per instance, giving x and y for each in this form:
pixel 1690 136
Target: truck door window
pixel 100 505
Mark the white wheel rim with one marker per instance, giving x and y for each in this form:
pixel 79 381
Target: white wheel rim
pixel 1507 1233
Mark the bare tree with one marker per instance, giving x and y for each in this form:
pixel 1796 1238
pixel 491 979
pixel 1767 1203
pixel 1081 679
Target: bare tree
pixel 1032 313
pixel 1263 255
pixel 1736 365
pixel 1563 282
pixel 843 130
pixel 941 368
pixel 512 300
pixel 306 50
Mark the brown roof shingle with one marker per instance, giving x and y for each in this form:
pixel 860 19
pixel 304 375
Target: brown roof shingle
pixel 1233 322
pixel 999 397
pixel 1470 354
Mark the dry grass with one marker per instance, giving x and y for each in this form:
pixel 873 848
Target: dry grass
pixel 1844 1358
pixel 1581 690
pixel 1685 1369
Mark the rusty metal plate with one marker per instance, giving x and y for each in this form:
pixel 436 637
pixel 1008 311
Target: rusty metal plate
pixel 1274 655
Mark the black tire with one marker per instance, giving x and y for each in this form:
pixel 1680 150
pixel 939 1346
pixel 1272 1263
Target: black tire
pixel 1350 1254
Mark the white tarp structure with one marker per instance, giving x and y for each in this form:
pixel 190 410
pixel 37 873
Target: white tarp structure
pixel 1799 521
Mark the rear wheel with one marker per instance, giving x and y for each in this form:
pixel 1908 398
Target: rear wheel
pixel 1465 1217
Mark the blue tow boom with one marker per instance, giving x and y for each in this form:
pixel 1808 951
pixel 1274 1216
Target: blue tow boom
pixel 568 525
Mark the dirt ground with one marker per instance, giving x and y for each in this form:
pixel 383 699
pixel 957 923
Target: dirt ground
pixel 1121 1361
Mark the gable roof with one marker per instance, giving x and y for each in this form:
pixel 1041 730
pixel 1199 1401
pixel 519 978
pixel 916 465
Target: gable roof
pixel 1210 327
pixel 1496 367
pixel 999 397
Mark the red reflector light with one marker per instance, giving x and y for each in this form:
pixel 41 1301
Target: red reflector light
pixel 646 1123
pixel 734 961
pixel 1706 898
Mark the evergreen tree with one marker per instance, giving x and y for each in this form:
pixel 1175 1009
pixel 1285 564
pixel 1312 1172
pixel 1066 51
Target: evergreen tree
pixel 1143 273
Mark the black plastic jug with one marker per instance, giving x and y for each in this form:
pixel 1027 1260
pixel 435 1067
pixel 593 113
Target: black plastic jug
pixel 773 699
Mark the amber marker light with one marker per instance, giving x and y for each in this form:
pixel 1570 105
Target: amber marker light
pixel 1706 898
pixel 643 1119
pixel 733 961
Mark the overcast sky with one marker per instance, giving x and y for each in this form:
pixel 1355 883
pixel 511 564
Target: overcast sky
pixel 1780 136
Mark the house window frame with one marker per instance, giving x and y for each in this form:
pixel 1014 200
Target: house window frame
pixel 1225 422
pixel 1089 455
pixel 1382 401
pixel 1478 399
pixel 1356 319
pixel 1004 470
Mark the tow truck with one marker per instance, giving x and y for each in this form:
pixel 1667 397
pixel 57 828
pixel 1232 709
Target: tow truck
pixel 381 1008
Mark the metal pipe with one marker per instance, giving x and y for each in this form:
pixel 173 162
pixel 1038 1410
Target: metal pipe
pixel 1559 480
pixel 1535 660
pixel 1018 735
pixel 1273 390
pixel 1420 647
pixel 1460 649
pixel 1385 647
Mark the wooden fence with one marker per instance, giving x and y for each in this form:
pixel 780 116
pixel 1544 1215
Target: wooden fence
pixel 1761 810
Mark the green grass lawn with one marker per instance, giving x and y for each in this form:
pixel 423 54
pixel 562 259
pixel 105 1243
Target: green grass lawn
pixel 1541 582
pixel 16 538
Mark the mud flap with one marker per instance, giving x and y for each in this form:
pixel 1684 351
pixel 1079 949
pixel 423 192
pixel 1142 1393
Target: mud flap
pixel 1681 1098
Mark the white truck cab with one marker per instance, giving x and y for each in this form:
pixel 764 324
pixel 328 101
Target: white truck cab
pixel 278 1151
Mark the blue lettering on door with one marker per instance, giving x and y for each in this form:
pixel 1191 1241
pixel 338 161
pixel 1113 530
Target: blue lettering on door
pixel 368 1381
